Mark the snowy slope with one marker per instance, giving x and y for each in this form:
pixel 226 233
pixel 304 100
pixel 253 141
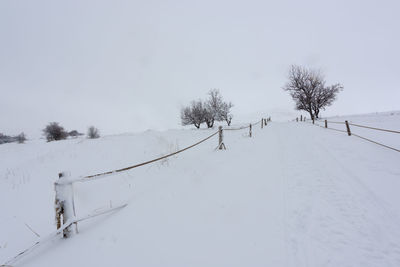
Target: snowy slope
pixel 293 195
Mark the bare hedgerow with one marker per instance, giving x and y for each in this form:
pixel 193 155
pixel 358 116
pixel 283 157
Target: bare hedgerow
pixel 93 132
pixel 54 132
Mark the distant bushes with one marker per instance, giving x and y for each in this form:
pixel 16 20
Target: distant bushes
pixel 74 133
pixel 93 132
pixel 21 138
pixel 54 132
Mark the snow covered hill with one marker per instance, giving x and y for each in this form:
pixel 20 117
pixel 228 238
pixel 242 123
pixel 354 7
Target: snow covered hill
pixel 292 195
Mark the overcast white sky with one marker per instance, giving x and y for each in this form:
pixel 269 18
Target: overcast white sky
pixel 130 65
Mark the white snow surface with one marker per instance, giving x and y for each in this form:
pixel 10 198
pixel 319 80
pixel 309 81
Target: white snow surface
pixel 292 195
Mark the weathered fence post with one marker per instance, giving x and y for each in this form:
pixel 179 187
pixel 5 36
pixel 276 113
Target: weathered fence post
pixel 265 122
pixel 326 124
pixel 221 144
pixel 301 117
pixel 250 131
pixel 348 128
pixel 64 205
pixel 262 123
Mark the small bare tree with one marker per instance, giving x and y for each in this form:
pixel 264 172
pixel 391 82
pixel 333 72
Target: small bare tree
pixel 21 138
pixel 54 132
pixel 193 114
pixel 226 114
pixel 93 132
pixel 308 90
pixel 213 107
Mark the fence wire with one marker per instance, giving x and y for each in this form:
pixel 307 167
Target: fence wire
pixel 364 138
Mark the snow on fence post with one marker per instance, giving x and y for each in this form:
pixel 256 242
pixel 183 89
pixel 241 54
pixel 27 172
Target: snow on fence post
pixel 326 124
pixel 221 144
pixel 348 128
pixel 250 130
pixel 64 205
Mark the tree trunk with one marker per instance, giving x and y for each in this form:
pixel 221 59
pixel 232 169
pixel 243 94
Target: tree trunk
pixel 311 114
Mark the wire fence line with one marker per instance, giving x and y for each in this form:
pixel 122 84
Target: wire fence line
pixel 165 156
pixel 372 141
pixel 356 135
pixel 336 122
pixel 373 128
pixel 151 161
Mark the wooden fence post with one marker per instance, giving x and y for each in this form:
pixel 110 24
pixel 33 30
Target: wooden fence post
pixel 221 144
pixel 64 205
pixel 265 122
pixel 262 123
pixel 250 131
pixel 326 124
pixel 297 119
pixel 348 128
pixel 312 120
pixel 301 117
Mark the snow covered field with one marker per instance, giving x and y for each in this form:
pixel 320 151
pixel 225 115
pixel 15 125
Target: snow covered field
pixel 293 195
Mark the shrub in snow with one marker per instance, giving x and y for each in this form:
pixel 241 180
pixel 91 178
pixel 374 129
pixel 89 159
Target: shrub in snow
pixel 21 138
pixel 6 139
pixel 93 132
pixel 54 132
pixel 74 133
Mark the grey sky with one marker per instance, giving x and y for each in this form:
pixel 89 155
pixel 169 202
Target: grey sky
pixel 131 65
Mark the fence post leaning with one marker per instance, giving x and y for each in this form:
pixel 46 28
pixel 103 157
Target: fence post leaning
pixel 221 144
pixel 64 205
pixel 250 130
pixel 326 124
pixel 348 128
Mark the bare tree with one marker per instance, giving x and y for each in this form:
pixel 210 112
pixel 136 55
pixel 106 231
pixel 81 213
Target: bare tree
pixel 21 138
pixel 213 107
pixel 212 110
pixel 193 114
pixel 324 97
pixel 54 132
pixel 308 90
pixel 93 132
pixel 226 114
